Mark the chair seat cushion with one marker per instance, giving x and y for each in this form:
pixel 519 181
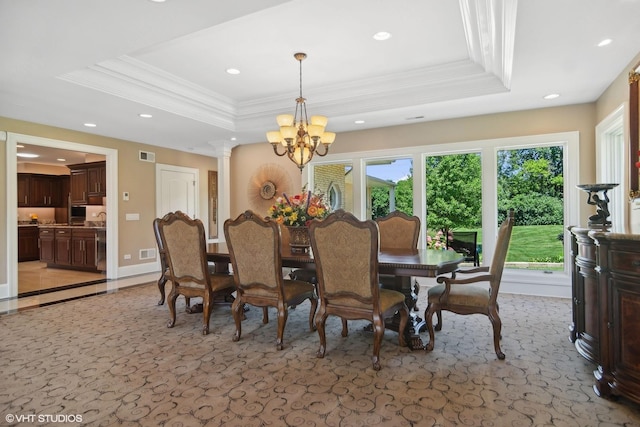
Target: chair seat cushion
pixel 388 298
pixel 467 295
pixel 222 281
pixel 296 287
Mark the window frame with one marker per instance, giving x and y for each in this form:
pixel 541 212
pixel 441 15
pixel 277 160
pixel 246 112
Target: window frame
pixel 557 283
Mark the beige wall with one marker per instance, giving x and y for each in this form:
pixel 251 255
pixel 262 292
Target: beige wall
pixel 134 176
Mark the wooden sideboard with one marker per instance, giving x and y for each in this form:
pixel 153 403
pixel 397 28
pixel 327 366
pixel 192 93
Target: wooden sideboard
pixel 606 308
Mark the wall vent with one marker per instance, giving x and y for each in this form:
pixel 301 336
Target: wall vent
pixel 147 156
pixel 148 253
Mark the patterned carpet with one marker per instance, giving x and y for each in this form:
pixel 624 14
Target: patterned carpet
pixel 110 360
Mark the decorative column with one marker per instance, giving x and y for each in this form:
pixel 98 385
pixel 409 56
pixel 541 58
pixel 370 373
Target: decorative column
pixel 223 154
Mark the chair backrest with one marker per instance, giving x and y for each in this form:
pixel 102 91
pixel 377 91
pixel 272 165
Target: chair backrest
pixel 464 242
pixel 500 254
pixel 254 247
pixel 161 252
pixel 398 231
pixel 183 240
pixel 345 250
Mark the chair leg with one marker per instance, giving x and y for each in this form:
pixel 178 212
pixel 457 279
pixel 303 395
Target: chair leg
pixel 345 330
pixel 312 313
pixel 206 313
pixel 161 282
pixel 497 330
pixel 404 319
pixel 173 296
pixel 237 309
pixel 428 315
pixel 265 315
pixel 378 332
pixel 439 316
pixel 282 322
pixel 321 318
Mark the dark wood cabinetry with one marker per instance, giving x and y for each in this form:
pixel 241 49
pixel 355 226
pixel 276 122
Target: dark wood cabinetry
pixel 83 243
pixel 28 243
pixel 46 243
pixel 37 190
pixel 585 329
pixel 63 246
pixel 606 308
pixel 69 247
pixel 88 183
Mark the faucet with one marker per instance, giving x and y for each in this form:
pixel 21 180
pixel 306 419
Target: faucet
pixel 102 215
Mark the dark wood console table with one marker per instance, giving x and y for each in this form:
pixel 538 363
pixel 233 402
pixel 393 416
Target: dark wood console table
pixel 606 308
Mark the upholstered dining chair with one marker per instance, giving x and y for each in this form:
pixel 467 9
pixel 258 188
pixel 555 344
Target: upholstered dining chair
pixel 346 256
pixel 255 250
pixel 399 231
pixel 185 249
pixel 466 296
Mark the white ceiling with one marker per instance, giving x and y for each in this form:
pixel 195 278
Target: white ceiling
pixel 67 62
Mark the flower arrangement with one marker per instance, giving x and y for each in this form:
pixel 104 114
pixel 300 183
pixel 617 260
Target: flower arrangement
pixel 299 210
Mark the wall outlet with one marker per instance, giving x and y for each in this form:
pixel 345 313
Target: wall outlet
pixel 127 256
pixel 132 217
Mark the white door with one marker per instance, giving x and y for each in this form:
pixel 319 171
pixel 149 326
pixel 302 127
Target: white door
pixel 176 190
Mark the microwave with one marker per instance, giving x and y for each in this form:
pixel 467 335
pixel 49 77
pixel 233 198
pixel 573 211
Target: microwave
pixel 77 214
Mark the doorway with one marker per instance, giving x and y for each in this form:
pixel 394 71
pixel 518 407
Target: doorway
pixel 10 289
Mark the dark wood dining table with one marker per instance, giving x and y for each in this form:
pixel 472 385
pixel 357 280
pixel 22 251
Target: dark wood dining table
pixel 401 263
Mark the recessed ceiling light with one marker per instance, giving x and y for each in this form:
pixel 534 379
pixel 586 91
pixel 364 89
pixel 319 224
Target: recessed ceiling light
pixel 145 115
pixel 61 160
pixel 27 155
pixel 604 42
pixel 359 122
pixel 90 125
pixel 158 1
pixel 233 71
pixel 382 35
pixel 552 96
pixel 233 138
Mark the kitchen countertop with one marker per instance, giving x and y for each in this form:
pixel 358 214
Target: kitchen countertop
pixel 89 227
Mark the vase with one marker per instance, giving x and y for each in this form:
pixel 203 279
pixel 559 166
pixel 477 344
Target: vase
pixel 299 239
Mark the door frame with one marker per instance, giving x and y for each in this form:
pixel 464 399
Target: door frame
pixel 10 289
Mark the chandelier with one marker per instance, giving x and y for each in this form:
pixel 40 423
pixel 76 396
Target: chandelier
pixel 300 137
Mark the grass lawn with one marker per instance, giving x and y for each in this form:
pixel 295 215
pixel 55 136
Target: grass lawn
pixel 535 243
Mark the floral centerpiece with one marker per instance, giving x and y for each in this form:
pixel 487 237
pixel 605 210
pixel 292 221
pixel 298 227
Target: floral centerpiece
pixel 299 210
pixel 296 212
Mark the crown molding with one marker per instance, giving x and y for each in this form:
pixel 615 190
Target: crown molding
pixel 489 27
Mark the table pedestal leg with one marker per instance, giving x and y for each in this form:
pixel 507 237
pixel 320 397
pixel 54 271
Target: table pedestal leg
pixel 416 324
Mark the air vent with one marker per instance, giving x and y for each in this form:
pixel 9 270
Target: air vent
pixel 147 156
pixel 148 253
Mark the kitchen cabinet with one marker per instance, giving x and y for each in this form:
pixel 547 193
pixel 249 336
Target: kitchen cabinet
pixel 37 190
pixel 88 183
pixel 28 243
pixel 63 246
pixel 70 247
pixel 46 244
pixel 24 180
pixel 83 243
pixel 78 187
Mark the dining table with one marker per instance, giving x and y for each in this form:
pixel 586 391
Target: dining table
pixel 404 264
